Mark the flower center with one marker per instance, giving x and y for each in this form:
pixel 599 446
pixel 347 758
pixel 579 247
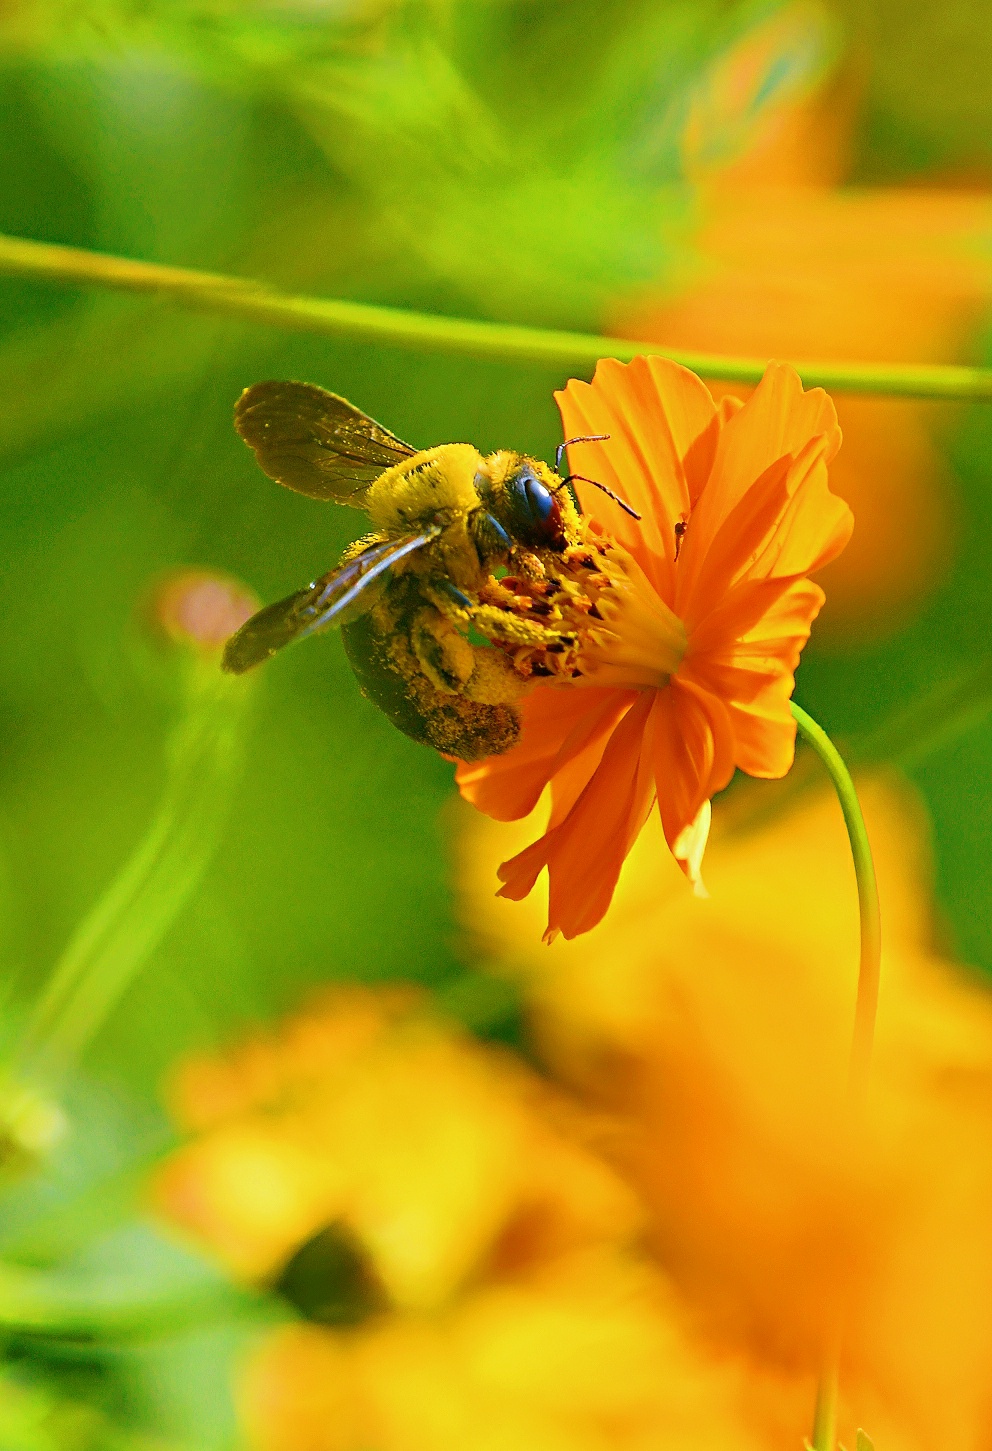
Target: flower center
pixel 588 616
pixel 639 642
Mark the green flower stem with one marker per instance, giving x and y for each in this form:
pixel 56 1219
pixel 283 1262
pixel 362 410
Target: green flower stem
pixel 117 938
pixel 871 932
pixel 256 302
pixel 56 1305
pixel 824 1435
pixel 825 1415
pixel 934 721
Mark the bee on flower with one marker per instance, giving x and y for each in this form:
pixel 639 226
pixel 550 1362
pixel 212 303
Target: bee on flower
pixel 637 652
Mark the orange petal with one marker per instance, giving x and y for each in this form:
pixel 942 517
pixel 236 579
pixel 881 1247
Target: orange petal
pixel 693 749
pixel 778 419
pixel 753 676
pixel 690 844
pixel 734 616
pixel 756 622
pixel 581 754
pixel 814 528
pixel 741 539
pixel 663 428
pixel 786 524
pixel 507 787
pixel 585 851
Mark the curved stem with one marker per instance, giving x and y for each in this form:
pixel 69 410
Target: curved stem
pixel 825 1415
pixel 56 1305
pixel 864 869
pixel 117 938
pixel 256 302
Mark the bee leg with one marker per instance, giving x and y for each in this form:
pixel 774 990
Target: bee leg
pixel 492 543
pixel 380 648
pixel 494 680
pixel 452 663
pixel 454 593
pixel 446 657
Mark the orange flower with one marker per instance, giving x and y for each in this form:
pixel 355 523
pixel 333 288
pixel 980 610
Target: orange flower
pixel 790 262
pixel 685 662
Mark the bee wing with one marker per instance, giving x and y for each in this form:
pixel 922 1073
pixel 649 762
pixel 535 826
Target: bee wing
pixel 315 442
pixel 330 600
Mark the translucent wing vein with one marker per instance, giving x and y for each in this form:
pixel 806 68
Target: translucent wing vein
pixel 314 442
pixel 330 600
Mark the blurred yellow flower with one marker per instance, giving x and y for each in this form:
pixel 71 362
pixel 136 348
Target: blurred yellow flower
pixel 587 1354
pixel 436 1155
pixel 516 1305
pixel 719 1031
pixel 644 1255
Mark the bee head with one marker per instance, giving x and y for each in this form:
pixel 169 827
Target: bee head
pixel 521 495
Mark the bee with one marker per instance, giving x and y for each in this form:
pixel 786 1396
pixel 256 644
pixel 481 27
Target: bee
pixel 406 595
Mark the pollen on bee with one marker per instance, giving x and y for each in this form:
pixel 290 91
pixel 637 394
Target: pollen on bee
pixel 530 567
pixel 538 621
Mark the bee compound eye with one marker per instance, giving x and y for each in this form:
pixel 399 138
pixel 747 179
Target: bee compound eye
pixel 537 497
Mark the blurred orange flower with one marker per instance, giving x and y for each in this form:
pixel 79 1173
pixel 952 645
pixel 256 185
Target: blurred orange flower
pixel 685 662
pixel 790 264
pixel 719 1032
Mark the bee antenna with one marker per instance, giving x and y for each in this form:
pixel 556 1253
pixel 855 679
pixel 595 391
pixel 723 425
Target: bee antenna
pixel 589 438
pixel 580 438
pixel 609 492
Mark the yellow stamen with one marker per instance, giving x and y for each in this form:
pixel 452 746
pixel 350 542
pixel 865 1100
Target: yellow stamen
pixel 639 642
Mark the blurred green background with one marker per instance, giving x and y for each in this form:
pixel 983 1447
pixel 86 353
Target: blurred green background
pixel 513 159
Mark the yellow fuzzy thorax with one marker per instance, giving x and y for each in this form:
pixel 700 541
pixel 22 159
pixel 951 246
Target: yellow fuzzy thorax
pixel 435 481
